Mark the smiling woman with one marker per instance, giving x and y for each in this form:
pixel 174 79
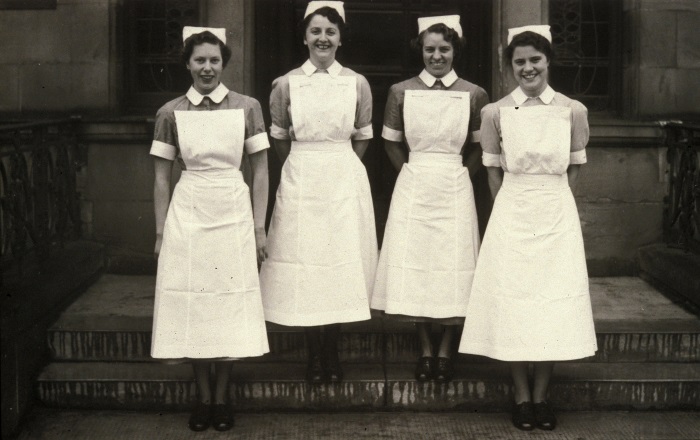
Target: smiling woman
pixel 208 308
pixel 323 245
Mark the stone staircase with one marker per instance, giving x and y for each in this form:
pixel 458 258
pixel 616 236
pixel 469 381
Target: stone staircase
pixel 648 358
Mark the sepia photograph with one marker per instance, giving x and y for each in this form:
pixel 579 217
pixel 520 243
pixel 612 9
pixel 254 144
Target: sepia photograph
pixel 359 219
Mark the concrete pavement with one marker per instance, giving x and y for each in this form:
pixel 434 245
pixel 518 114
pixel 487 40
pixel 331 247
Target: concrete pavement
pixel 48 424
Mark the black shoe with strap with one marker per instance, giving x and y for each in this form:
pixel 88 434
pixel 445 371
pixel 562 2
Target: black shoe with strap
pixel 444 370
pixel 424 368
pixel 222 417
pixel 545 416
pixel 524 416
pixel 200 419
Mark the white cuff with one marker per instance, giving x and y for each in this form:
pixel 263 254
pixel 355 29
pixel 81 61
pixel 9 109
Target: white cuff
pixel 491 160
pixel 476 137
pixel 161 149
pixel 578 157
pixel 279 133
pixel 360 134
pixel 392 135
pixel 256 143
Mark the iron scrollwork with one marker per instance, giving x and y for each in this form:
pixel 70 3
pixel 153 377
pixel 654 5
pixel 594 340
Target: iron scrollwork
pixel 39 201
pixel 682 205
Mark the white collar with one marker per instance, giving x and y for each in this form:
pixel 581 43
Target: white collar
pixel 217 95
pixel 447 80
pixel 520 97
pixel 309 69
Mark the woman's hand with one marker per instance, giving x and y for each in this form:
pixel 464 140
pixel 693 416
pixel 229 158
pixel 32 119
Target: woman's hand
pixel 159 243
pixel 260 245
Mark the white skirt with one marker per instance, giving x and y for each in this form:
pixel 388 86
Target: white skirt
pixel 322 243
pixel 530 299
pixel 207 302
pixel 431 242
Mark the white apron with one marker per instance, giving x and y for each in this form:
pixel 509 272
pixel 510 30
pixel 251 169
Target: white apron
pixel 431 240
pixel 207 302
pixel 322 243
pixel 530 299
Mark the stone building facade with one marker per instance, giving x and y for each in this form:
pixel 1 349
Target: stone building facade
pixel 73 57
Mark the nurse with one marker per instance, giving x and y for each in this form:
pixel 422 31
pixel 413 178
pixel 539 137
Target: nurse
pixel 432 236
pixel 208 308
pixel 322 241
pixel 530 299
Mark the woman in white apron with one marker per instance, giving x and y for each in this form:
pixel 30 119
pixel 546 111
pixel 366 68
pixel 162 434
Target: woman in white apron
pixel 207 306
pixel 431 241
pixel 530 299
pixel 322 242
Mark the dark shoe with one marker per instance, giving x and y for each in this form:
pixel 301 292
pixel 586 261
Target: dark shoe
pixel 222 417
pixel 443 370
pixel 334 372
pixel 524 416
pixel 424 368
pixel 545 416
pixel 200 417
pixel 314 371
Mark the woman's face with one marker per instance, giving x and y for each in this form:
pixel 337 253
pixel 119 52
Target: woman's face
pixel 531 70
pixel 323 38
pixel 438 54
pixel 205 66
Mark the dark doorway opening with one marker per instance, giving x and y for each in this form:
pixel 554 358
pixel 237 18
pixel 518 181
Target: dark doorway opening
pixel 377 45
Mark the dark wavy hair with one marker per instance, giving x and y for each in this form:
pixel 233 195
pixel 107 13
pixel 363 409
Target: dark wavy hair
pixel 529 38
pixel 201 38
pixel 331 14
pixel 448 34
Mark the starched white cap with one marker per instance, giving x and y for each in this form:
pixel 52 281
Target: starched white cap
pixel 188 31
pixel 541 29
pixel 451 21
pixel 316 5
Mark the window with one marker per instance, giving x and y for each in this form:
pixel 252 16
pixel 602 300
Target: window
pixel 586 42
pixel 154 71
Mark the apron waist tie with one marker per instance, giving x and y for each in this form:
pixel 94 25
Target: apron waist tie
pixel 211 175
pixel 420 157
pixel 336 146
pixel 546 181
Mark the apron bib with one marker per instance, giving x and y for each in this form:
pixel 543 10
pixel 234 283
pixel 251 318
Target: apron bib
pixel 431 241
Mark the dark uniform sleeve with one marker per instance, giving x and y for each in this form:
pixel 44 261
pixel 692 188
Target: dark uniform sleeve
pixel 255 134
pixel 165 135
pixel 279 108
pixel 393 119
pixel 479 99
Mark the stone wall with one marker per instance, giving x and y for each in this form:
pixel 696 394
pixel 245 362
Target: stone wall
pixel 56 60
pixel 70 59
pixel 662 58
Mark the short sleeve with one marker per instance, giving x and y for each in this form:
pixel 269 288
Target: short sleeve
pixel 393 122
pixel 165 135
pixel 479 99
pixel 255 135
pixel 279 108
pixel 580 133
pixel 491 135
pixel 363 111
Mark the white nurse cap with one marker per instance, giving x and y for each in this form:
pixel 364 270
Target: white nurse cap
pixel 451 21
pixel 316 5
pixel 540 29
pixel 188 31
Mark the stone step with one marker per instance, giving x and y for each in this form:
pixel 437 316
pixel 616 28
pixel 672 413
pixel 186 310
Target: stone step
pixel 112 322
pixel 477 387
pixel 682 345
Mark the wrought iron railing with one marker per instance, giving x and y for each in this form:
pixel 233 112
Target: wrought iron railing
pixel 682 205
pixel 39 202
